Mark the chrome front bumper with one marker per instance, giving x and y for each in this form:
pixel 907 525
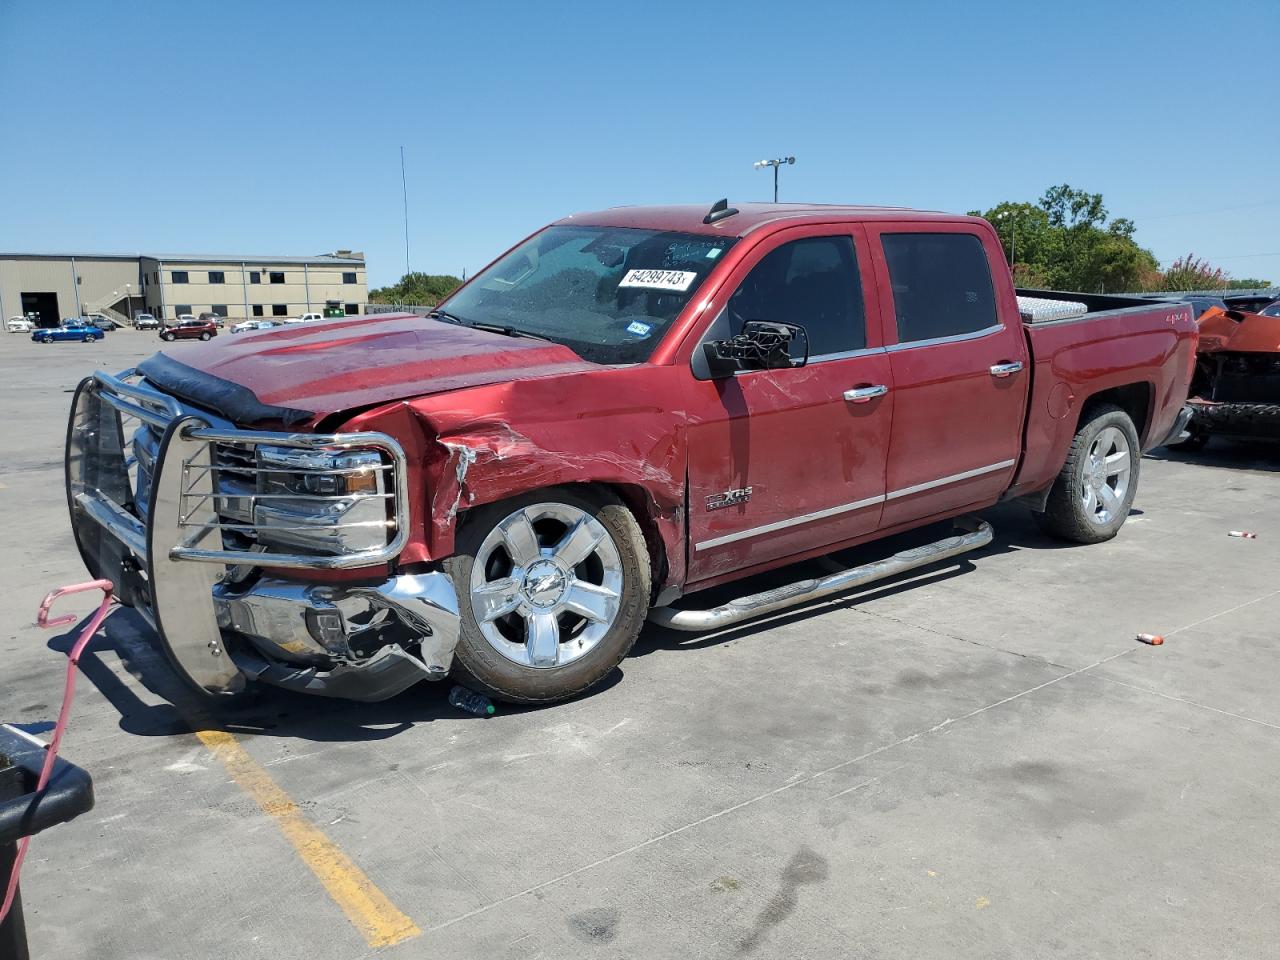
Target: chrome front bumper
pixel 158 535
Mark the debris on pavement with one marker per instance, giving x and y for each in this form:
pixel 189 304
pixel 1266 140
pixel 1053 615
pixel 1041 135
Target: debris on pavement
pixel 469 701
pixel 1151 639
pixel 1245 534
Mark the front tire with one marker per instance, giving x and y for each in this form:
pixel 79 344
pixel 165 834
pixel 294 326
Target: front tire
pixel 553 588
pixel 168 337
pixel 1094 490
pixel 46 339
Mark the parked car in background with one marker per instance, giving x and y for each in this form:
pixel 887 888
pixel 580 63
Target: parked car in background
pixel 182 317
pixel 308 317
pixel 625 409
pixel 249 325
pixel 145 321
pixel 1271 311
pixel 101 322
pixel 190 329
pixel 71 329
pixel 19 325
pixel 216 319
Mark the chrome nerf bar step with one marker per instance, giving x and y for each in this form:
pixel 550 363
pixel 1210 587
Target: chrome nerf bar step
pixel 971 534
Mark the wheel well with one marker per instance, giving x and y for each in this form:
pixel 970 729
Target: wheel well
pixel 636 499
pixel 1133 398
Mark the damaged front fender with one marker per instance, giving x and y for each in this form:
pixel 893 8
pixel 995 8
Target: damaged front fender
pixel 489 443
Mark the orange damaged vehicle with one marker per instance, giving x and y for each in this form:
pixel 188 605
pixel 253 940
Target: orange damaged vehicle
pixel 1236 388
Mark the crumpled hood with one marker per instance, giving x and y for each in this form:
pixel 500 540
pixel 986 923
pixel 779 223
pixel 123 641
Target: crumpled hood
pixel 307 371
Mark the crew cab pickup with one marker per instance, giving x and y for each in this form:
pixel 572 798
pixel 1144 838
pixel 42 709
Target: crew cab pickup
pixel 622 410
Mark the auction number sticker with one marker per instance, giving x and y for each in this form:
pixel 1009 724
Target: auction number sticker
pixel 659 279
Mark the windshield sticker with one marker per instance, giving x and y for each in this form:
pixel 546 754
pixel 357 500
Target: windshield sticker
pixel 678 280
pixel 638 328
pixel 713 253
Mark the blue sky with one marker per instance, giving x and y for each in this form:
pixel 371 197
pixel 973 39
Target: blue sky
pixel 250 127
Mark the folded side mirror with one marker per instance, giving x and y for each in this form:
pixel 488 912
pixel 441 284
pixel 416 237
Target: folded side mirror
pixel 761 345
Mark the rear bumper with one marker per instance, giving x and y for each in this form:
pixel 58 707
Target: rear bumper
pixel 1179 427
pixel 219 620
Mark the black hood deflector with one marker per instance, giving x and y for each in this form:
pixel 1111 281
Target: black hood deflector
pixel 233 401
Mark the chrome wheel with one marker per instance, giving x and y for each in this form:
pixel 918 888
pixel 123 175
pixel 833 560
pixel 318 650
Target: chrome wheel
pixel 546 585
pixel 1106 476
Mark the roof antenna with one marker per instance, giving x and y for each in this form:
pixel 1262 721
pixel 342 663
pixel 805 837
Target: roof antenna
pixel 719 211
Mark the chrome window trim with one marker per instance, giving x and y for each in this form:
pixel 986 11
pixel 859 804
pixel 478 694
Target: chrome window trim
pixel 850 507
pixel 954 338
pixel 843 355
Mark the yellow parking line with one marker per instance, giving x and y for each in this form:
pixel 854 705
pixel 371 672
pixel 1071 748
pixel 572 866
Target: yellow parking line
pixel 377 918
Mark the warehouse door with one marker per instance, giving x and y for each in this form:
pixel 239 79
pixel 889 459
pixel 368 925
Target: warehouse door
pixel 44 305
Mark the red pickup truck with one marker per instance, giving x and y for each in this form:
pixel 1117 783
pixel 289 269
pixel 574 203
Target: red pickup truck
pixel 622 410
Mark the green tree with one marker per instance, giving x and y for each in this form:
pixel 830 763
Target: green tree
pixel 418 289
pixel 1066 242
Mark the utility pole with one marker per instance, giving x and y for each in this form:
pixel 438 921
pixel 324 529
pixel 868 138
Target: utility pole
pixel 1013 251
pixel 404 188
pixel 775 164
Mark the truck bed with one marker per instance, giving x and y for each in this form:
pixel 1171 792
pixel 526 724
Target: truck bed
pixel 1137 352
pixel 1093 303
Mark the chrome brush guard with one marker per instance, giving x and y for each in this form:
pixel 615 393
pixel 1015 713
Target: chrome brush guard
pixel 194 511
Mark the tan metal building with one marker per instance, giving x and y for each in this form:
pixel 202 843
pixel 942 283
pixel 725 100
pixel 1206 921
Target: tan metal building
pixel 58 285
pixel 243 287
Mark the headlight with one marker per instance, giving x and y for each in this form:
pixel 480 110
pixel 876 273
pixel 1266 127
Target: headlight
pixel 326 501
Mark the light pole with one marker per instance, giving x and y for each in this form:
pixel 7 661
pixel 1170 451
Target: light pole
pixel 1013 248
pixel 128 303
pixel 775 164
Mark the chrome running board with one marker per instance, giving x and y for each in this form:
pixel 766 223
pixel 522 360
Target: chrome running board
pixel 971 534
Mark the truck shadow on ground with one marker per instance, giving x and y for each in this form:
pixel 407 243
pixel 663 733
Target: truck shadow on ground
pixel 1229 454
pixel 264 711
pixel 1014 530
pixel 167 707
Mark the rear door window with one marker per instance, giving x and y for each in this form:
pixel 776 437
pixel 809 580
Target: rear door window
pixel 813 283
pixel 941 284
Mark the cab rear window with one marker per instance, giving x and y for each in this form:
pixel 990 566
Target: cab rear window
pixel 941 284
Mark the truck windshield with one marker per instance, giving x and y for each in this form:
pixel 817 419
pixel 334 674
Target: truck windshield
pixel 607 293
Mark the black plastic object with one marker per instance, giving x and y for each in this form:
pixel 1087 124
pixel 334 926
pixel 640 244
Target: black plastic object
pixel 24 812
pixel 719 211
pixel 234 401
pixel 760 346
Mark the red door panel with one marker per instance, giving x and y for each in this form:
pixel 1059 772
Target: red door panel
pixel 814 462
pixel 812 458
pixel 959 399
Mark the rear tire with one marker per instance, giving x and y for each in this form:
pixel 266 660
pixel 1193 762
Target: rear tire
pixel 204 336
pixel 89 338
pixel 1091 497
pixel 521 637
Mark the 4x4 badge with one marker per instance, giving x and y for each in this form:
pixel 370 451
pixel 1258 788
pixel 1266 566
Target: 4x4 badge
pixel 729 498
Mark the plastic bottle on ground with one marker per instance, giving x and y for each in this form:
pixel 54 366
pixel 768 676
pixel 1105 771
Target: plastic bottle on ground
pixel 471 702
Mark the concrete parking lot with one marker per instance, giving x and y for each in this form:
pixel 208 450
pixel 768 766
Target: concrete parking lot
pixel 974 762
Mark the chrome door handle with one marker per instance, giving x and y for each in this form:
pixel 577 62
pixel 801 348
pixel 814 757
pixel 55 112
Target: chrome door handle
pixel 865 394
pixel 1006 369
